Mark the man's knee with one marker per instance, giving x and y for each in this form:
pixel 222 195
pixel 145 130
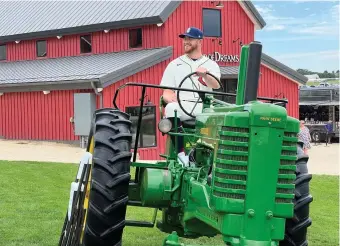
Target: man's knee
pixel 170 109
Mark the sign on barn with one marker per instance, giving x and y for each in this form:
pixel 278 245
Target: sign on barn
pixel 217 57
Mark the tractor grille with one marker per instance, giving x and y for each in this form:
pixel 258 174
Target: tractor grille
pixel 285 184
pixel 231 163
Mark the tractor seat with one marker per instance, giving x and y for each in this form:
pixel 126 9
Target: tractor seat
pixel 189 123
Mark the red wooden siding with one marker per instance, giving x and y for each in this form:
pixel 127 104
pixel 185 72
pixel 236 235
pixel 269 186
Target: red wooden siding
pixel 25 50
pixel 33 115
pixel 69 45
pixel 235 24
pixel 118 40
pixel 273 84
pixel 66 46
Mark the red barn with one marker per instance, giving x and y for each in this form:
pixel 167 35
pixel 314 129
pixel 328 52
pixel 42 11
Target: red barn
pixel 52 51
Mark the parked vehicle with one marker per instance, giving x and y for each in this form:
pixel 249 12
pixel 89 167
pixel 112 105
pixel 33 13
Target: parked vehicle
pixel 317 106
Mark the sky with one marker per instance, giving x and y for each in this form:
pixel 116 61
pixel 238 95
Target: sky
pixel 301 34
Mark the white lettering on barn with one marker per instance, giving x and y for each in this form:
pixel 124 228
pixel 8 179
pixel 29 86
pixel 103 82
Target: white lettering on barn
pixel 217 57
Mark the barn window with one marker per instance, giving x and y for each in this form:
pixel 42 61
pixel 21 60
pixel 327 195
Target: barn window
pixel 135 38
pixel 41 48
pixel 2 52
pixel 212 23
pixel 147 134
pixel 85 44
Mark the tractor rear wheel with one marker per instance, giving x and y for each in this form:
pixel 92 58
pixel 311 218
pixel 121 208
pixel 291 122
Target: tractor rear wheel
pixel 296 227
pixel 110 176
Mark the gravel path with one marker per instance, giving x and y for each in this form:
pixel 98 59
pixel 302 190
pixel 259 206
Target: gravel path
pixel 322 159
pixel 39 151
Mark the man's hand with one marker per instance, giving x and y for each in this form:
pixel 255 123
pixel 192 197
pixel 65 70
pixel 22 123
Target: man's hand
pixel 169 96
pixel 209 80
pixel 201 72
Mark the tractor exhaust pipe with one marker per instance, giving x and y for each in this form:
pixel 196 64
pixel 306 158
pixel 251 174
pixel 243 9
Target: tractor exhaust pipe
pixel 253 72
pixel 249 73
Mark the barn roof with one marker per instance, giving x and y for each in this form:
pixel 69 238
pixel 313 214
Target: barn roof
pixel 36 19
pixel 253 14
pixel 21 20
pixel 283 69
pixel 77 72
pixel 231 72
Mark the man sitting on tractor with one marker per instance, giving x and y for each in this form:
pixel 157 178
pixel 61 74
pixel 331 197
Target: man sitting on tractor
pixel 192 61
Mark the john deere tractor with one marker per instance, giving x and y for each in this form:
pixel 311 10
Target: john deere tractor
pixel 247 179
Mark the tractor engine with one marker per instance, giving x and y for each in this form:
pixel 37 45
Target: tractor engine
pixel 242 182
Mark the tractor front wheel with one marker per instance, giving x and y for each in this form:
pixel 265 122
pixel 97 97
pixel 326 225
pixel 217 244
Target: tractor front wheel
pixel 110 176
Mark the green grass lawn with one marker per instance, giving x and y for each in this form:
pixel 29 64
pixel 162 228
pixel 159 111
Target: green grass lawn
pixel 34 199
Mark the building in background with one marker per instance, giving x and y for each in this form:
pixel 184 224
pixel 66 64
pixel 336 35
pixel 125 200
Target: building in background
pixel 317 106
pixel 313 77
pixel 53 55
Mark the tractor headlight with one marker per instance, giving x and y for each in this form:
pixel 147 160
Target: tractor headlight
pixel 165 125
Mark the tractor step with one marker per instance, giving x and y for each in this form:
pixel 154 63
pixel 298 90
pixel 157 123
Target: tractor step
pixel 139 223
pixel 143 223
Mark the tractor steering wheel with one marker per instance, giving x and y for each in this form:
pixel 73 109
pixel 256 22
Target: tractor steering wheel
pixel 201 95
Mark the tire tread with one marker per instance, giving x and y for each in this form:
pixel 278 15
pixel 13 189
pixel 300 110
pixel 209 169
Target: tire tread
pixel 110 178
pixel 296 227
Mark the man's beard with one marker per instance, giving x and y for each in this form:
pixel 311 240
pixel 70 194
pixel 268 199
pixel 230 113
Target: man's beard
pixel 190 49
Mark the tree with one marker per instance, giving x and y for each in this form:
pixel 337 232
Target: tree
pixel 325 74
pixel 304 71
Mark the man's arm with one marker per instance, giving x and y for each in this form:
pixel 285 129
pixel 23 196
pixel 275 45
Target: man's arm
pixel 169 96
pixel 214 69
pixel 168 79
pixel 211 81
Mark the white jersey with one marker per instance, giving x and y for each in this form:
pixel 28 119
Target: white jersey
pixel 183 66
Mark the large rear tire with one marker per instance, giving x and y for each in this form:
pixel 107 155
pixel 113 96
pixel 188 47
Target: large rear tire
pixel 296 227
pixel 110 176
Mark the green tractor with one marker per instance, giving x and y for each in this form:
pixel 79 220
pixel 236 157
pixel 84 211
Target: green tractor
pixel 247 179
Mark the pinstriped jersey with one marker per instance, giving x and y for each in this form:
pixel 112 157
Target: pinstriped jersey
pixel 182 66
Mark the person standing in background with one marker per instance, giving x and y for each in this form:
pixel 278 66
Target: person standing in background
pixel 304 136
pixel 329 129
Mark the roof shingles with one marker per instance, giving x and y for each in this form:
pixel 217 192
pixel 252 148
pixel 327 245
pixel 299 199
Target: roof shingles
pixel 21 20
pixel 105 68
pixel 46 18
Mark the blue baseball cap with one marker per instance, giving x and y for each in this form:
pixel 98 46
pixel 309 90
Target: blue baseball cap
pixel 192 32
